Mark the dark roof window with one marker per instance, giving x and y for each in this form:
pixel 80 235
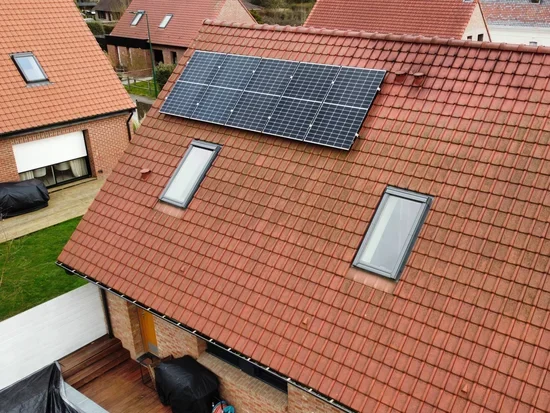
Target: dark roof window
pixel 392 232
pixel 165 21
pixel 189 174
pixel 30 69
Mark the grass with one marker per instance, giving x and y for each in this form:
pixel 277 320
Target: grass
pixel 141 89
pixel 28 274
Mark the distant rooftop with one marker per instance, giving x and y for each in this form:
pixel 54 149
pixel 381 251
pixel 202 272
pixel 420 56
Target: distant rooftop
pixel 516 12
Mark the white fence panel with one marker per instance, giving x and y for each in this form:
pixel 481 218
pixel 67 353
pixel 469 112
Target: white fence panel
pixel 49 331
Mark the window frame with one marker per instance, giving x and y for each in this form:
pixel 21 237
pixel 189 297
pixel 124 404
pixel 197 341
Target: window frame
pixel 139 14
pixel 215 148
pixel 14 57
pixel 168 22
pixel 406 251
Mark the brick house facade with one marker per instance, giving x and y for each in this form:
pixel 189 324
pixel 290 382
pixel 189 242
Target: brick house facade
pixel 247 394
pixel 106 139
pixel 128 46
pixel 57 122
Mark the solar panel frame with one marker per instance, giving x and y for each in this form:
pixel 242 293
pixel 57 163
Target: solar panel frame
pixel 336 126
pixel 302 108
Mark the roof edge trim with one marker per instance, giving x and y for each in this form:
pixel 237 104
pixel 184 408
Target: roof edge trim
pixel 380 36
pixel 204 337
pixel 57 125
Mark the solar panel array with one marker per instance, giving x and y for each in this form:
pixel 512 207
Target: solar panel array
pixel 321 104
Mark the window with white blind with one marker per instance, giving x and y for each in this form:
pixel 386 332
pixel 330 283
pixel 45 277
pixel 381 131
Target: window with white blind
pixel 392 232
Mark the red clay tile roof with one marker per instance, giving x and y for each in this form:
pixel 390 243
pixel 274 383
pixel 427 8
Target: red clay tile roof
pixel 516 12
pixel 443 18
pixel 82 81
pixel 261 258
pixel 184 26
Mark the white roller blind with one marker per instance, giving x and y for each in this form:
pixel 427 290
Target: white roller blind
pixel 49 151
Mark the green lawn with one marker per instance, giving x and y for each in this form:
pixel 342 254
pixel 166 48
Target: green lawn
pixel 145 88
pixel 28 274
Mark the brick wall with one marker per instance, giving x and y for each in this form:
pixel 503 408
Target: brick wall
pixel 125 323
pixel 174 341
pixel 234 11
pixel 106 140
pixel 301 402
pixel 245 393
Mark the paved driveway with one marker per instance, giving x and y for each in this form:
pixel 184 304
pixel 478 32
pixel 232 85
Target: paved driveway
pixel 66 203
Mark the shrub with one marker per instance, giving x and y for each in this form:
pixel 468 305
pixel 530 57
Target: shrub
pixel 96 28
pixel 257 16
pixel 163 73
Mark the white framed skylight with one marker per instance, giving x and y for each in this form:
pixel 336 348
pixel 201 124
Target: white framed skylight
pixel 189 174
pixel 139 14
pixel 165 21
pixel 392 232
pixel 28 66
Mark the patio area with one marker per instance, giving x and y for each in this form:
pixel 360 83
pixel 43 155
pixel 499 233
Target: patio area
pixel 120 390
pixel 66 202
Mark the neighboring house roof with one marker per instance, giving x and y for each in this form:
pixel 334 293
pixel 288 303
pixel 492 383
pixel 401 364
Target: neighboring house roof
pixel 82 82
pixel 115 6
pixel 442 18
pixel 184 26
pixel 516 12
pixel 261 260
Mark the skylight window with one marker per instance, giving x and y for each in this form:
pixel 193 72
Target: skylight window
pixel 190 173
pixel 165 21
pixel 392 232
pixel 29 67
pixel 137 17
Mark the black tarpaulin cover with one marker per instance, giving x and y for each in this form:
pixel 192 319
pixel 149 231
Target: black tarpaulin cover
pixel 186 385
pixel 18 198
pixel 41 392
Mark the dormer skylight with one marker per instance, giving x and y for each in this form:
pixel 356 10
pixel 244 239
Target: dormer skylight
pixel 165 21
pixel 392 232
pixel 137 18
pixel 30 69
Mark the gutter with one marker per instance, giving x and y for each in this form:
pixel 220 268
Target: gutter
pixel 128 126
pixel 58 125
pixel 309 390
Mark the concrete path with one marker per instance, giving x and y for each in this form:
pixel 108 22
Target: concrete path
pixel 69 202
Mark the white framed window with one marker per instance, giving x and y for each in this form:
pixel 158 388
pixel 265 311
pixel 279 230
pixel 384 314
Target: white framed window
pixel 137 18
pixel 392 232
pixel 165 21
pixel 28 66
pixel 533 43
pixel 189 174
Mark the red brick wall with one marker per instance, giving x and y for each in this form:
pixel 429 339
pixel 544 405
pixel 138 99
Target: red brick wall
pixel 174 341
pixel 106 140
pixel 245 393
pixel 125 323
pixel 301 402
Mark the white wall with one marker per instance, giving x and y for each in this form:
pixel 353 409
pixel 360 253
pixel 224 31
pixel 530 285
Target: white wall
pixel 48 332
pixel 476 26
pixel 520 35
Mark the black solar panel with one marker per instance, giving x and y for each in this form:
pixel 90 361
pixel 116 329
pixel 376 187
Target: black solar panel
pixel 292 118
pixel 183 99
pixel 236 71
pixel 311 82
pixel 202 67
pixel 272 76
pixel 320 104
pixel 336 126
pixel 355 87
pixel 216 105
pixel 252 111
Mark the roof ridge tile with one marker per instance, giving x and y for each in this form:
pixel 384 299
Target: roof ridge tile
pixel 406 38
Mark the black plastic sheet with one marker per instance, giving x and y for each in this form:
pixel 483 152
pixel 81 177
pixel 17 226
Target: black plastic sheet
pixel 41 392
pixel 18 198
pixel 186 385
